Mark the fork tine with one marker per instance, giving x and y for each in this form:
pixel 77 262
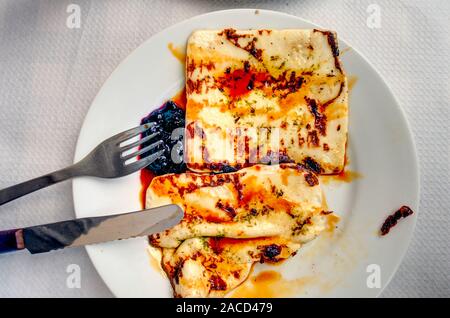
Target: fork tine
pixel 142 163
pixel 139 142
pixel 142 151
pixel 130 133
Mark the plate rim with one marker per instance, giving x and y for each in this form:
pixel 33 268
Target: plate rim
pixel 410 135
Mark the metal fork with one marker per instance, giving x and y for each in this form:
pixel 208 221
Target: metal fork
pixel 110 159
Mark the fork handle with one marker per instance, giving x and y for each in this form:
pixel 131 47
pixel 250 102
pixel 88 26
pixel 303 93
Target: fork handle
pixel 21 189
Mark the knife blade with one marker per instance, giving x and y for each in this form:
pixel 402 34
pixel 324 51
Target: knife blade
pixel 90 230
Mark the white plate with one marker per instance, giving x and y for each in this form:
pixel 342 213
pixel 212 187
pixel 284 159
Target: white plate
pixel 380 148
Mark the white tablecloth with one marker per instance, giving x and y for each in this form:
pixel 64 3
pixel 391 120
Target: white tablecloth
pixel 49 74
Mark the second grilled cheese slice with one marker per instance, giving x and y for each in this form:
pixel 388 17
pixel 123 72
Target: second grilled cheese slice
pixel 212 267
pixel 261 201
pixel 255 94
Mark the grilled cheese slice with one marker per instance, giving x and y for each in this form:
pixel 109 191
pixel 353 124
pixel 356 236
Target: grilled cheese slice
pixel 265 95
pixel 212 267
pixel 260 201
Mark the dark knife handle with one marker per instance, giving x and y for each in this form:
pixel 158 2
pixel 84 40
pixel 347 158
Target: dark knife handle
pixel 11 240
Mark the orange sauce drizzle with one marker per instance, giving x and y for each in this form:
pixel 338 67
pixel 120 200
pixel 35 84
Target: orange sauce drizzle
pixel 180 99
pixel 154 257
pixel 270 284
pixel 352 79
pixel 332 220
pixel 345 175
pixel 178 52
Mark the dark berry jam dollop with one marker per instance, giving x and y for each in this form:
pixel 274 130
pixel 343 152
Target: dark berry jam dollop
pixel 169 120
pixel 272 251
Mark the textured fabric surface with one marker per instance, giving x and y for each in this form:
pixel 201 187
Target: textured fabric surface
pixel 51 73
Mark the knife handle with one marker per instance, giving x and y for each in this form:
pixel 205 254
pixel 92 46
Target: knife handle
pixel 11 240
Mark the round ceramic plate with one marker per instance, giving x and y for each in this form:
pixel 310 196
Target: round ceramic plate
pixel 352 261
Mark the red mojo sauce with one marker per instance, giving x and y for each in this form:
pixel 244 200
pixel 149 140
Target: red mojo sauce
pixel 241 81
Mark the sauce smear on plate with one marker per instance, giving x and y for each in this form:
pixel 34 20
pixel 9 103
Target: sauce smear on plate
pixel 271 284
pixel 177 52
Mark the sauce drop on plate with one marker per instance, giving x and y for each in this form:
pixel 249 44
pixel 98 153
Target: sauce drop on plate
pixel 154 257
pixel 270 284
pixel 180 99
pixel 352 79
pixel 178 52
pixel 345 175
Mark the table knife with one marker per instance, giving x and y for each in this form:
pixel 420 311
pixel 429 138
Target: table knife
pixel 90 230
